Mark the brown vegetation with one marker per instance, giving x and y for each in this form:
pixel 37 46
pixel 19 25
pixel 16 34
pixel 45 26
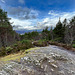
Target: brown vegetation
pixel 66 46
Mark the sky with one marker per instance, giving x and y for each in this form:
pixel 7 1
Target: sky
pixel 37 14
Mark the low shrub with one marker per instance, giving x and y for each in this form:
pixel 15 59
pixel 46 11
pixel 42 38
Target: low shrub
pixel 19 46
pixel 40 43
pixel 73 45
pixel 15 45
pixel 58 39
pixel 25 41
pixel 28 43
pixel 22 45
pixel 2 51
pixel 9 50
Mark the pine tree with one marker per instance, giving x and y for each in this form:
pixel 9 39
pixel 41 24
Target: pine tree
pixel 58 29
pixel 6 30
pixel 51 33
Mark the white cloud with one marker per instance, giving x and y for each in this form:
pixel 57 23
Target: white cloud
pixel 3 1
pixel 53 13
pixel 54 18
pixel 41 23
pixel 23 24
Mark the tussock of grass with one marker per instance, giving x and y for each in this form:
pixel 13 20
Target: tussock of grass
pixel 16 56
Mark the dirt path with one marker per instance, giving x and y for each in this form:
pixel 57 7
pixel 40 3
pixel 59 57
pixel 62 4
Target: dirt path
pixel 50 60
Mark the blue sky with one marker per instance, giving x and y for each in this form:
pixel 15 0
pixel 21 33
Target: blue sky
pixel 37 14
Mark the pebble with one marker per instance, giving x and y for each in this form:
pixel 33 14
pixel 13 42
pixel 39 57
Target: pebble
pixel 45 68
pixel 52 70
pixel 55 66
pixel 61 72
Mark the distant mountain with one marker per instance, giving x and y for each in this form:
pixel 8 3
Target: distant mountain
pixel 26 31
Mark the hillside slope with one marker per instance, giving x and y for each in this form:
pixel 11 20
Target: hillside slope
pixel 50 60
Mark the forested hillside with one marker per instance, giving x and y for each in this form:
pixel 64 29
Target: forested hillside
pixel 64 32
pixel 11 42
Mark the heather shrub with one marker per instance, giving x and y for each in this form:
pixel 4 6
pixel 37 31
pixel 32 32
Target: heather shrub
pixel 2 51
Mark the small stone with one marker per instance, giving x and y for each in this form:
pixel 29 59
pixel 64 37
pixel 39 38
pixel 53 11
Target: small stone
pixel 37 64
pixel 50 61
pixel 61 72
pixel 72 72
pixel 29 70
pixel 41 66
pixel 37 61
pixel 1 73
pixel 45 68
pixel 46 74
pixel 55 66
pixel 26 58
pixel 52 53
pixel 52 70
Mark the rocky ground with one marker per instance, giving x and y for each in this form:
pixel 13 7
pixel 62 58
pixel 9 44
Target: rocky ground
pixel 50 60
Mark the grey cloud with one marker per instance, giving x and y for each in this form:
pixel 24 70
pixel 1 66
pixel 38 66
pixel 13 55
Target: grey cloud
pixel 22 13
pixel 33 16
pixel 25 17
pixel 16 27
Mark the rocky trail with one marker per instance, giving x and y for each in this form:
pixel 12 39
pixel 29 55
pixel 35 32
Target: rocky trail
pixel 50 60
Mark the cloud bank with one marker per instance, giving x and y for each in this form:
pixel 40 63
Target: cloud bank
pixel 22 13
pixel 25 17
pixel 36 24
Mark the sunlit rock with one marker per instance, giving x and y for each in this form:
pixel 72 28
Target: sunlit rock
pixel 52 70
pixel 55 66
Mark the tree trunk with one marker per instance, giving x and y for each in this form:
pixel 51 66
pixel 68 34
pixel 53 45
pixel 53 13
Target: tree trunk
pixel 2 40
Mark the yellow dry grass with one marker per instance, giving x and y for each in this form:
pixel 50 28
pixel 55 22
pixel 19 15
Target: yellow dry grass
pixel 16 56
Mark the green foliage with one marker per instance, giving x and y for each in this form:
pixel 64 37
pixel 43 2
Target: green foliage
pixel 58 30
pixel 9 50
pixel 15 45
pixel 40 43
pixel 73 45
pixel 29 36
pixel 28 43
pixel 46 34
pixel 19 46
pixel 5 51
pixel 25 41
pixel 2 51
pixel 59 39
pixel 52 40
pixel 7 35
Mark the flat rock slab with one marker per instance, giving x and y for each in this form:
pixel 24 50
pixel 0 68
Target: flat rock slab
pixel 50 60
